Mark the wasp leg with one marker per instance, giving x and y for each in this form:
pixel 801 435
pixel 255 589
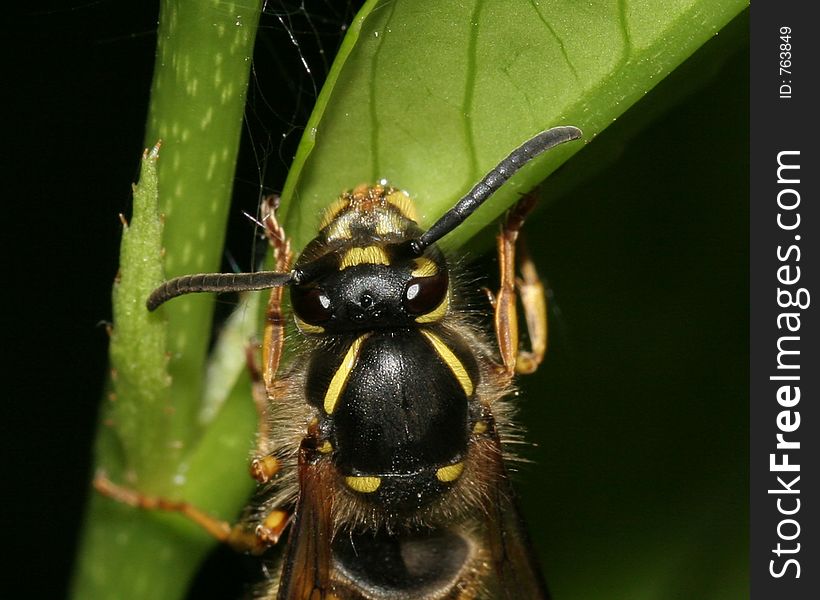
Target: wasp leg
pixel 534 301
pixel 265 464
pixel 264 467
pixel 237 536
pixel 270 529
pixel 263 380
pixel 274 332
pixel 260 402
pixel 532 298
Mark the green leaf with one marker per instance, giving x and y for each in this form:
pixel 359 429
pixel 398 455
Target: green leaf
pixel 431 95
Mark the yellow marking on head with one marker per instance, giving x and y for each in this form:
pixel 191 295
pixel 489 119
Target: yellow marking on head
pixel 480 427
pixel 363 483
pixel 424 267
pixel 450 472
pixel 307 327
pixel 404 203
pixel 437 313
pixel 452 361
pixel 388 222
pixel 337 384
pixel 339 230
pixel 326 447
pixel 332 211
pixel 369 255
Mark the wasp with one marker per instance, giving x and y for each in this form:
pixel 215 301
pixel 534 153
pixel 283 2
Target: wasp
pixel 382 443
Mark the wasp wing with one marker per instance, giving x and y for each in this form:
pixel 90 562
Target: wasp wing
pixel 516 573
pixel 307 562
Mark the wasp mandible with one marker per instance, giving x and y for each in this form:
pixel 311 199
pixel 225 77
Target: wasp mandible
pixel 382 444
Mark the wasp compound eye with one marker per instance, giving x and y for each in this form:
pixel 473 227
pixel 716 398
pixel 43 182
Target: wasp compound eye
pixel 311 304
pixel 423 294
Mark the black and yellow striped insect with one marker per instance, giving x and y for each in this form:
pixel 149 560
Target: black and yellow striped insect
pixel 382 444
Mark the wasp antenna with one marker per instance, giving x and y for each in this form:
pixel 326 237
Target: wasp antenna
pixel 216 282
pixel 492 181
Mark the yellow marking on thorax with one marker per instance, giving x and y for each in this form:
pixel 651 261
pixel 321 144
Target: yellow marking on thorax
pixel 337 384
pixel 326 447
pixel 363 483
pixel 452 361
pixel 369 255
pixel 480 427
pixel 437 314
pixel 450 472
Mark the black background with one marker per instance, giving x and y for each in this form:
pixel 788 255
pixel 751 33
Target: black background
pixel 640 412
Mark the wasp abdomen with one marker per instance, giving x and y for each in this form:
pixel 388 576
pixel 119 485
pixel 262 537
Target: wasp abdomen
pixel 415 564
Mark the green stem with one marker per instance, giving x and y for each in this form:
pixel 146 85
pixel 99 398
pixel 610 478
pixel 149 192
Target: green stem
pixel 151 429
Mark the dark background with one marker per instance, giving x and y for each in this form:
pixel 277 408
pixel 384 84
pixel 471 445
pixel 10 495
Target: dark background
pixel 783 124
pixel 640 413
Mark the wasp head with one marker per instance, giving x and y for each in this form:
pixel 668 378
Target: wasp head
pixel 372 287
